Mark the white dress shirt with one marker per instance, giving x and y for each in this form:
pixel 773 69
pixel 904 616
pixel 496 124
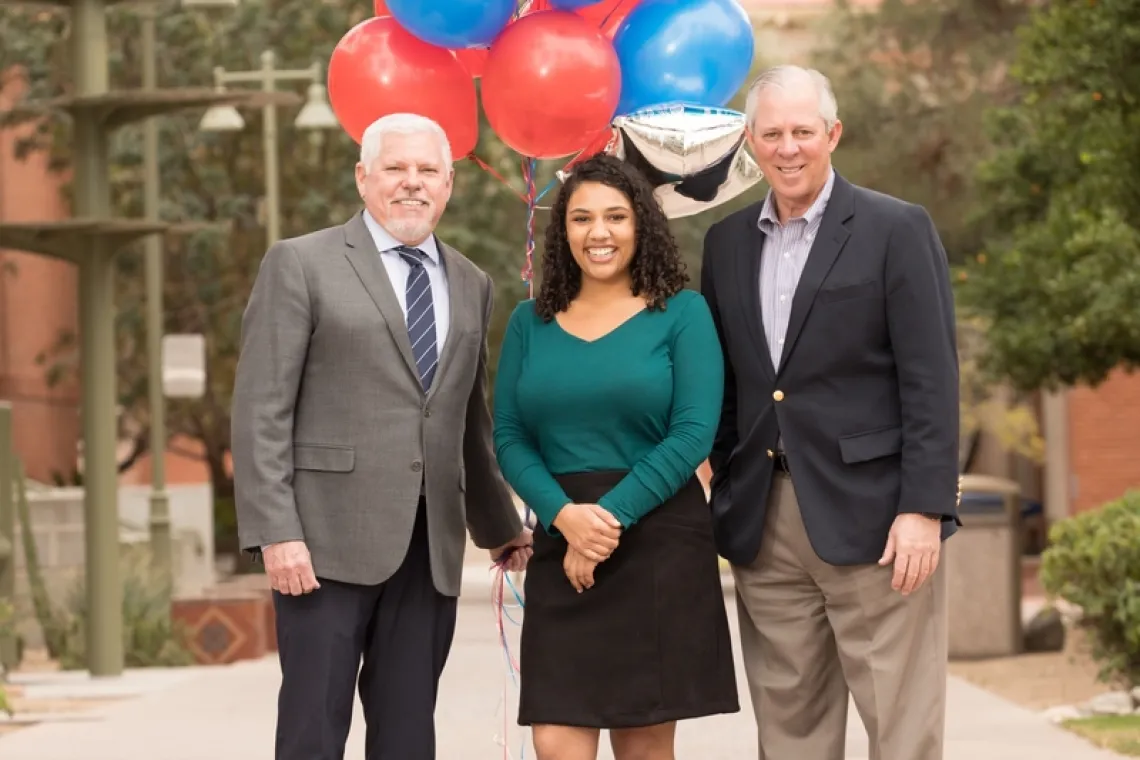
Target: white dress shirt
pixel 398 271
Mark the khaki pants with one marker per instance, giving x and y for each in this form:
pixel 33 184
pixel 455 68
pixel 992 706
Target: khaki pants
pixel 811 632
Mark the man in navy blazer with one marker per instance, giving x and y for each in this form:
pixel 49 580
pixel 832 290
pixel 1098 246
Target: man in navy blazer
pixel 835 467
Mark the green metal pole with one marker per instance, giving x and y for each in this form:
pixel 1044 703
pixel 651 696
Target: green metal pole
pixel 97 314
pixel 160 542
pixel 269 138
pixel 8 650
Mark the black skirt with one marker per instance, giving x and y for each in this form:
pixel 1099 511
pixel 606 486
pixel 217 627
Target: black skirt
pixel 648 643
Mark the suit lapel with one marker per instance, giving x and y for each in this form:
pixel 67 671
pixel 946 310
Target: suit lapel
pixel 365 259
pixel 749 248
pixel 829 243
pixel 459 290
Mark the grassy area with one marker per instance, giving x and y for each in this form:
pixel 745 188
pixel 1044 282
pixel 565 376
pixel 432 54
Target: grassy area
pixel 1119 733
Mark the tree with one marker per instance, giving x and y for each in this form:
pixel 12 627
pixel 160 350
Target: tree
pixel 219 178
pixel 913 81
pixel 1059 281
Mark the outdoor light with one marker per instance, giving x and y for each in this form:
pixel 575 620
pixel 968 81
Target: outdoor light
pixel 316 114
pixel 220 118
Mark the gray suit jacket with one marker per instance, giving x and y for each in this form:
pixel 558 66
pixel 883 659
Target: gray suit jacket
pixel 333 436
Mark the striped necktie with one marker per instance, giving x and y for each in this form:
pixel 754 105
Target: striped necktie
pixel 420 314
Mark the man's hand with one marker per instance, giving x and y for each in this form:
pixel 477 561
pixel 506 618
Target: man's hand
pixel 579 569
pixel 516 553
pixel 914 545
pixel 290 568
pixel 589 529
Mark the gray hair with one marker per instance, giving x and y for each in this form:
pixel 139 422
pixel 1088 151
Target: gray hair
pixel 789 77
pixel 404 124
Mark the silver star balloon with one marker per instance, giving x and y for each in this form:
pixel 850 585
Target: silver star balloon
pixel 694 156
pixel 680 140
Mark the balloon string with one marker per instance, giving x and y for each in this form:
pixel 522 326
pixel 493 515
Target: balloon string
pixel 528 169
pixel 613 10
pixel 499 606
pixel 487 168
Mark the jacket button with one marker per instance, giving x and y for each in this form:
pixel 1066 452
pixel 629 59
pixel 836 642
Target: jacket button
pixel 427 412
pixel 417 466
pixel 771 454
pixel 778 395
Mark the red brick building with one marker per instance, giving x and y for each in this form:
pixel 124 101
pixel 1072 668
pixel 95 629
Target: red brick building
pixel 38 304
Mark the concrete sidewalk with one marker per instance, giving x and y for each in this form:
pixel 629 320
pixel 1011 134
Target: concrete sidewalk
pixel 228 712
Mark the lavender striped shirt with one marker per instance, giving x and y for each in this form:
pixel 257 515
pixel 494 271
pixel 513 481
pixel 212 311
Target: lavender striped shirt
pixel 782 261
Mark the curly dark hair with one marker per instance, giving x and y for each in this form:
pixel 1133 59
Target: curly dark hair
pixel 657 269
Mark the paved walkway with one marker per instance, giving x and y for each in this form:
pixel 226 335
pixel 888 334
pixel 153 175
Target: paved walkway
pixel 228 712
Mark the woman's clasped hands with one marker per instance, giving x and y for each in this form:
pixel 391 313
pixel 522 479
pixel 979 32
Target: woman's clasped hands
pixel 592 534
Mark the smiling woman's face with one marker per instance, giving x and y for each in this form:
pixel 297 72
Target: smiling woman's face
pixel 602 231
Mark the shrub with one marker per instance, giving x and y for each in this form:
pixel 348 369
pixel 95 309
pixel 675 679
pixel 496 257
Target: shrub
pixel 150 637
pixel 1093 562
pixel 7 628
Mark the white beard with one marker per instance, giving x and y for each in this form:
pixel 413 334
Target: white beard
pixel 410 229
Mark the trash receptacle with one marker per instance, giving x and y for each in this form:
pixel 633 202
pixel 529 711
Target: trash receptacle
pixel 983 566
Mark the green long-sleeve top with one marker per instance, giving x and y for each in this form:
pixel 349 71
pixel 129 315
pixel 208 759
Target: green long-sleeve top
pixel 645 397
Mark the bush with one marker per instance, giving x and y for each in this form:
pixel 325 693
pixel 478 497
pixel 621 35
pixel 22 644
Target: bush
pixel 1093 562
pixel 150 637
pixel 7 628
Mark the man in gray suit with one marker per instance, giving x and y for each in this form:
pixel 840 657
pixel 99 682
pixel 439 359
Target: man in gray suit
pixel 362 452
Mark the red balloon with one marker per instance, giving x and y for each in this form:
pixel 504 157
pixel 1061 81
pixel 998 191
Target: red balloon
pixel 380 8
pixel 596 144
pixel 473 59
pixel 379 68
pixel 552 82
pixel 607 15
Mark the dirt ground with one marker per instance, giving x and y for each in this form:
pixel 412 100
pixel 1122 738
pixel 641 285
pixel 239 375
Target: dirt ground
pixel 1038 681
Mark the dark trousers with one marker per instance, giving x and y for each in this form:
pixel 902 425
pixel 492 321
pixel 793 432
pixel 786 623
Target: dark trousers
pixel 396 636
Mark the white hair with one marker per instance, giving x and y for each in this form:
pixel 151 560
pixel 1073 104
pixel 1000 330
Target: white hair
pixel 404 124
pixel 789 77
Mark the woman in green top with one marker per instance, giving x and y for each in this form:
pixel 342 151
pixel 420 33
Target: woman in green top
pixel 607 398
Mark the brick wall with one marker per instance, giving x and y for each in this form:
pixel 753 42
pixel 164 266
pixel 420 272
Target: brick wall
pixel 1104 441
pixel 38 303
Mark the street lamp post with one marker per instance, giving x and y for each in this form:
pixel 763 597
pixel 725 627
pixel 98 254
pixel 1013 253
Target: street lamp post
pixel 316 114
pixel 160 526
pixel 160 538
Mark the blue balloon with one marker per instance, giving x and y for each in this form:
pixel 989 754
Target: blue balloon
pixel 694 51
pixel 571 5
pixel 453 24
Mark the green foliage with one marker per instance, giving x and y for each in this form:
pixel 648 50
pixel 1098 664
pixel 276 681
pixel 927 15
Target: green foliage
pixel 1093 562
pixel 52 622
pixel 7 628
pixel 913 81
pixel 150 637
pixel 983 407
pixel 1058 282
